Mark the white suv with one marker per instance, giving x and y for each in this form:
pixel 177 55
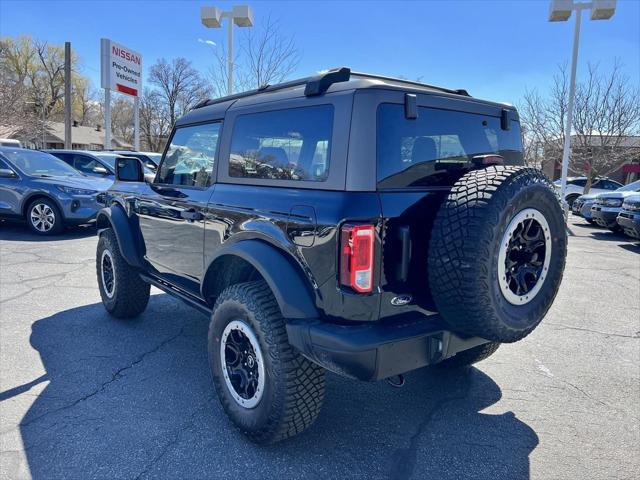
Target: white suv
pixel 575 187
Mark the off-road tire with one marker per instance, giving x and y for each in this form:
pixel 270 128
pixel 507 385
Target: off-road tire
pixel 464 250
pixel 294 387
pixel 130 293
pixel 58 225
pixel 471 356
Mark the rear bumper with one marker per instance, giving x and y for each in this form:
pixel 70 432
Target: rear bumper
pixel 377 351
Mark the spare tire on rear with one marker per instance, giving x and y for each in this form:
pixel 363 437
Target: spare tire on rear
pixel 497 253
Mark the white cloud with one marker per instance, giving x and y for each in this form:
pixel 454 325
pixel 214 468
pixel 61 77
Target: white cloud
pixel 208 42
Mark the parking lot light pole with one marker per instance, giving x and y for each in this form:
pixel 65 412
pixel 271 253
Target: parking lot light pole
pixel 241 15
pixel 560 11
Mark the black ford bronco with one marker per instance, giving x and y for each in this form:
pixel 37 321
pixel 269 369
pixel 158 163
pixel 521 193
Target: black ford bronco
pixel 348 222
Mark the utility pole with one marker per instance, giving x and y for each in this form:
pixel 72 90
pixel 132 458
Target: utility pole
pixel 67 95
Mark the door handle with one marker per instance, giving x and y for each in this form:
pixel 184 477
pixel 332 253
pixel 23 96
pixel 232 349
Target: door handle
pixel 191 214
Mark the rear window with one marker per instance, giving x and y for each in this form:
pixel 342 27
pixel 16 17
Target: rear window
pixel 436 147
pixel 290 144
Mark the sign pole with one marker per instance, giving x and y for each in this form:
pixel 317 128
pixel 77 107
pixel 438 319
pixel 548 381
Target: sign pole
pixel 67 96
pixel 136 123
pixel 107 119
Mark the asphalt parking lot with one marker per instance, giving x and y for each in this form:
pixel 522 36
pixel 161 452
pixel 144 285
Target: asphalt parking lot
pixel 84 396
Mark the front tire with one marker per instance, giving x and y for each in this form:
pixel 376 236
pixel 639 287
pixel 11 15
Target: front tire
pixel 267 389
pixel 124 294
pixel 44 217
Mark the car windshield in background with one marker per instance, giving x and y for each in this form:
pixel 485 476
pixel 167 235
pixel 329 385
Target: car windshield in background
pixel 33 162
pixel 154 157
pixel 108 158
pixel 631 187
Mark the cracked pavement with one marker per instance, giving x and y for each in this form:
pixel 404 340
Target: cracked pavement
pixel 85 396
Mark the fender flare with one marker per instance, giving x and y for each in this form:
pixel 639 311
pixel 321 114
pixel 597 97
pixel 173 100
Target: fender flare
pixel 114 217
pixel 288 283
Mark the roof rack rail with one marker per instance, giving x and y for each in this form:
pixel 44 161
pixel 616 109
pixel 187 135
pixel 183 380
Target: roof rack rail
pixel 410 82
pixel 316 85
pixel 319 84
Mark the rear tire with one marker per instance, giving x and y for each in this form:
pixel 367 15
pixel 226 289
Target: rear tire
pixel 124 294
pixel 497 253
pixel 471 356
pixel 44 217
pixel 267 389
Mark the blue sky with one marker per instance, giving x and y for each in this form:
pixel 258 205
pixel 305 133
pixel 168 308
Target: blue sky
pixel 494 49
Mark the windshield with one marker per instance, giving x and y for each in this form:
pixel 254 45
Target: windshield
pixel 154 157
pixel 108 158
pixel 632 187
pixel 33 162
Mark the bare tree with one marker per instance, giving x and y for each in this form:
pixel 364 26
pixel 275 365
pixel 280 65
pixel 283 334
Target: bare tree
pixel 606 114
pixel 266 56
pixel 154 120
pixel 179 84
pixel 122 118
pixel 86 103
pixel 271 56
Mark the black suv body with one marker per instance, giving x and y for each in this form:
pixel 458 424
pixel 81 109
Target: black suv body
pixel 324 195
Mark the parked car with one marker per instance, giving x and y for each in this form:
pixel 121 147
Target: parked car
pixel 575 187
pixel 350 222
pixel 607 206
pixel 582 206
pixel 629 216
pixel 45 191
pixel 151 160
pixel 93 163
pixel 10 142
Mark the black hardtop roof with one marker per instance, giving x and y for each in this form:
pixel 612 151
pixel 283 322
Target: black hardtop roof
pixel 336 80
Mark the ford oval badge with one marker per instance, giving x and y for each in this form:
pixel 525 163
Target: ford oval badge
pixel 401 300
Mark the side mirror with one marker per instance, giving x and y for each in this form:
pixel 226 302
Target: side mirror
pixel 7 173
pixel 101 170
pixel 129 169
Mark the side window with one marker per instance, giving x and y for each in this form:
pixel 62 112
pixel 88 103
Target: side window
pixel 191 156
pixel 84 163
pixel 65 157
pixel 581 182
pixel 597 184
pixel 612 185
pixel 4 165
pixel 438 146
pixel 292 144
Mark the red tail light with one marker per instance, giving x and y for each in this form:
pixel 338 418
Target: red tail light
pixel 356 257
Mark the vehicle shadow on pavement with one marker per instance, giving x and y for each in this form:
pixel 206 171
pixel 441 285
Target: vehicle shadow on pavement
pixel 632 247
pixel 609 236
pixel 19 232
pixel 133 399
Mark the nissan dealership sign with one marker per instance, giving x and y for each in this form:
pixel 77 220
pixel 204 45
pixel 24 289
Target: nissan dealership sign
pixel 121 68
